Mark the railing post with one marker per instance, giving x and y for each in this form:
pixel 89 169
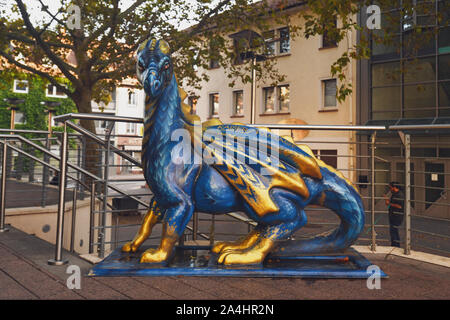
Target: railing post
pixel 373 246
pixel 74 217
pixel 407 194
pixel 45 176
pixel 102 233
pixel 92 218
pixel 195 226
pixel 62 188
pixel 3 191
pixel 212 232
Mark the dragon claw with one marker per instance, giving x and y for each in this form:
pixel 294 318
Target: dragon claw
pixel 154 256
pixel 129 247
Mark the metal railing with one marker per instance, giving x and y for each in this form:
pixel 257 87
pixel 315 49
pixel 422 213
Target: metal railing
pixel 359 156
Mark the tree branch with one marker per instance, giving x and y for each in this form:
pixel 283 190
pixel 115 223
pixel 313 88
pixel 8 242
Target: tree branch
pixel 104 27
pixel 104 41
pixel 63 66
pixel 24 39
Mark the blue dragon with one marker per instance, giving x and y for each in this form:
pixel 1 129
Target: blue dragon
pixel 275 200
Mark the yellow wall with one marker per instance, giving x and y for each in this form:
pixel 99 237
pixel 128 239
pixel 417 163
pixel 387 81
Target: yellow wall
pixel 305 66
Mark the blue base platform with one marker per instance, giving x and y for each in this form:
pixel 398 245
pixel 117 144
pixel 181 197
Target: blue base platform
pixel 199 261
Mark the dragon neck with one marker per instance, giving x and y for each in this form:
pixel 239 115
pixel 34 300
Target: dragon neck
pixel 162 116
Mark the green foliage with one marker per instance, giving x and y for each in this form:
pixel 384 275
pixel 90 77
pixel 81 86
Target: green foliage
pixel 34 112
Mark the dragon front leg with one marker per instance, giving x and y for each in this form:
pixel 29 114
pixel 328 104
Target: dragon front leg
pixel 150 219
pixel 175 221
pixel 161 254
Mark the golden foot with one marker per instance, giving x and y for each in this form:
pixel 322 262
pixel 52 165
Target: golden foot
pixel 154 256
pixel 247 257
pixel 218 247
pixel 129 247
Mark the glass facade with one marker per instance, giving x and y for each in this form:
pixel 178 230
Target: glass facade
pixel 411 78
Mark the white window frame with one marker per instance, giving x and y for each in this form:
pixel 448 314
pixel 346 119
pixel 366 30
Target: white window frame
pixel 276 104
pixel 233 100
pixel 16 113
pixel 277 40
pixel 322 96
pixel 321 38
pixel 20 91
pixel 134 93
pixel 210 106
pixel 53 94
pixel 131 128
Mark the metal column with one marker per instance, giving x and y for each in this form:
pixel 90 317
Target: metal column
pixel 407 142
pixel 45 175
pixel 62 188
pixel 92 218
pixel 253 92
pixel 74 217
pixel 3 191
pixel 102 230
pixel 373 246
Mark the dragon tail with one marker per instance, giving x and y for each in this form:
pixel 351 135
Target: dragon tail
pixel 343 199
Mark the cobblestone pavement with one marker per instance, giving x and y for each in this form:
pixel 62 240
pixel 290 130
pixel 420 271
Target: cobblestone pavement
pixel 24 274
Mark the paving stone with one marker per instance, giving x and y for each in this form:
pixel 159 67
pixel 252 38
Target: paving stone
pixel 10 289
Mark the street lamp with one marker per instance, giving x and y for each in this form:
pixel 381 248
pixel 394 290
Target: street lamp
pixel 13 106
pixel 50 110
pixel 252 41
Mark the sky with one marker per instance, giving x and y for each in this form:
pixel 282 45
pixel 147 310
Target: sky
pixel 36 15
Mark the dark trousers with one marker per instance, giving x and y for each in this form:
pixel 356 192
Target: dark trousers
pixel 395 220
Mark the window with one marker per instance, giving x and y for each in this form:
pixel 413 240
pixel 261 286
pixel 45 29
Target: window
pixel 327 39
pixel 53 91
pixel 213 105
pixel 192 101
pixel 20 86
pixel 329 93
pixel 239 50
pixel 327 156
pixel 277 41
pixel 285 43
pixel 214 64
pixel 238 103
pixel 269 101
pixel 283 98
pixel 276 99
pixel 131 128
pixel 19 117
pixel 131 98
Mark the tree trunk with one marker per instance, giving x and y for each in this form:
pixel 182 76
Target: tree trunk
pixel 92 155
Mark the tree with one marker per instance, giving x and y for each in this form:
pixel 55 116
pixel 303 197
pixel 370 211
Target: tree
pixel 102 36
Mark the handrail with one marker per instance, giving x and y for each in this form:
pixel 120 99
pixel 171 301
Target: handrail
pixel 92 136
pixel 95 116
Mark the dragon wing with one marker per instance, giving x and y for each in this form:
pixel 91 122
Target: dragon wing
pixel 255 160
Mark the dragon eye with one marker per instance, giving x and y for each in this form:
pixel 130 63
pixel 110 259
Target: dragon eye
pixel 166 66
pixel 141 66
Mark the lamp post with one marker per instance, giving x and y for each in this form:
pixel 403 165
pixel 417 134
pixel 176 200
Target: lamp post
pixel 50 111
pixel 13 107
pixel 251 42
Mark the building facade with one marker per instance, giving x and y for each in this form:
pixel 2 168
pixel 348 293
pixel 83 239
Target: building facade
pixel 308 94
pixel 127 100
pixel 418 95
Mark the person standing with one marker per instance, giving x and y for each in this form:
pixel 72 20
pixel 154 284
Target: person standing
pixel 396 211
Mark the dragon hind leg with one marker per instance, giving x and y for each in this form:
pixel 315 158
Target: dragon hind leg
pixel 265 243
pixel 242 244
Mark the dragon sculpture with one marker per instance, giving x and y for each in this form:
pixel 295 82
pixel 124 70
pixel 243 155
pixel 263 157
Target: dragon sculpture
pixel 276 200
